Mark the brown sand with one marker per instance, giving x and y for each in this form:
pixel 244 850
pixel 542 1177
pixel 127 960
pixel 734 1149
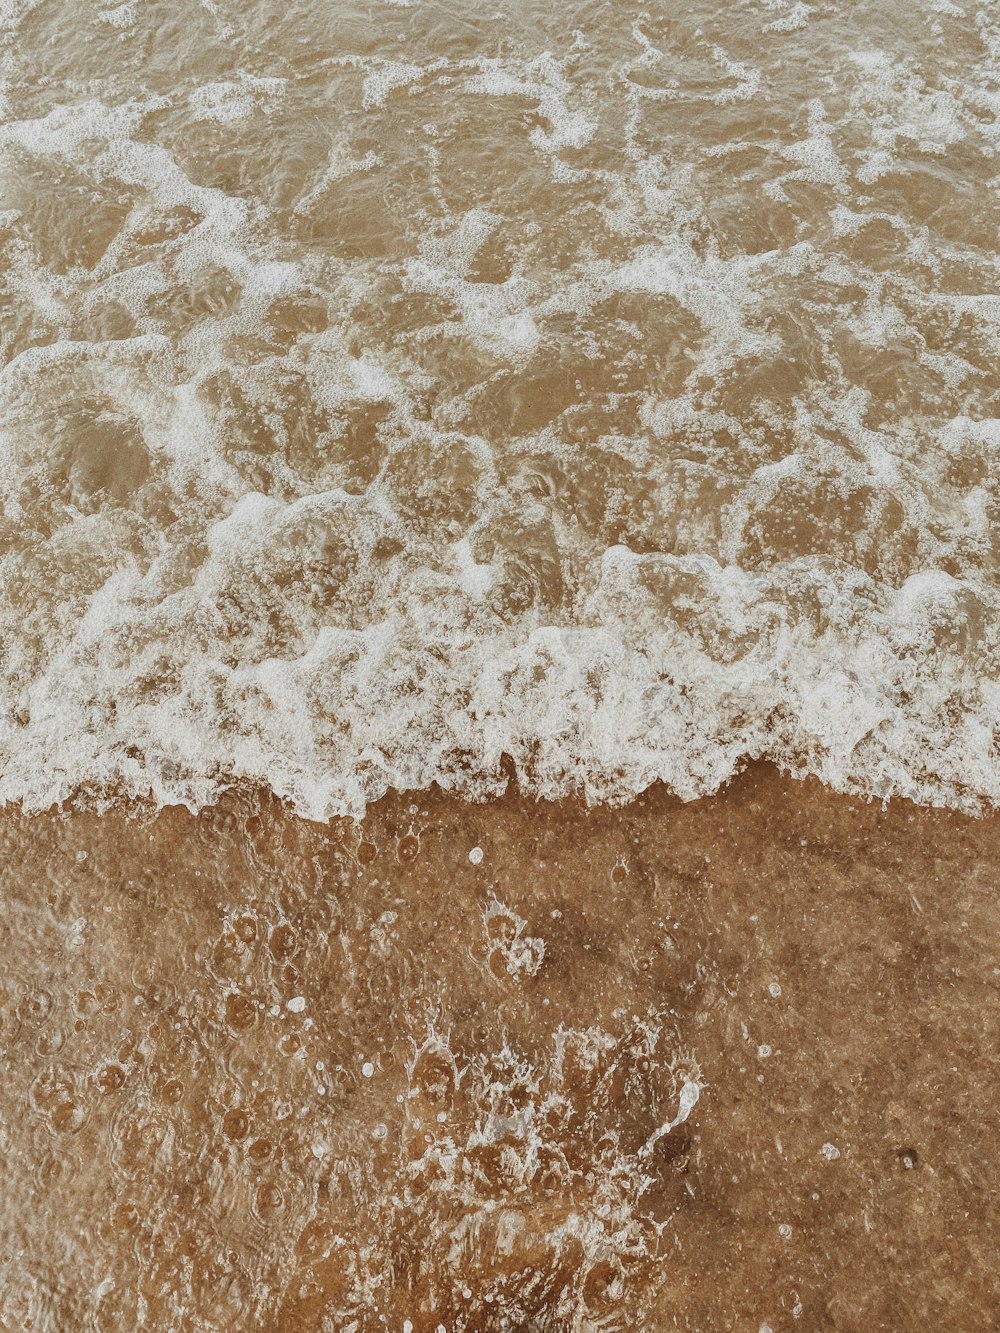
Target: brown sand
pixel 184 1149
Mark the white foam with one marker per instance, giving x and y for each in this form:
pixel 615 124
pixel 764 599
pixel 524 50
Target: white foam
pixel 385 78
pixel 461 517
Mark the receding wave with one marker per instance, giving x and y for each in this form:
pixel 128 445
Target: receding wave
pixel 411 395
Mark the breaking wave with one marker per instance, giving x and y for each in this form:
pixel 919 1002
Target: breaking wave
pixel 595 395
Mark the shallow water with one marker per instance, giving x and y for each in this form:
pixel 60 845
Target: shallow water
pixel 388 389
pixel 416 401
pixel 715 1066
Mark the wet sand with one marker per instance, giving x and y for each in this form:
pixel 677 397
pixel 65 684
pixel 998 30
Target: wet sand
pixel 263 1073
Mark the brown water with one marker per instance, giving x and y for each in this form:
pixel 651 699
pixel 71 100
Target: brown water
pixel 726 1065
pixel 392 387
pixel 413 401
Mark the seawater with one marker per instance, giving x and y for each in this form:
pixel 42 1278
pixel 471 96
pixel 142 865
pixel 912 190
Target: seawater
pixel 428 392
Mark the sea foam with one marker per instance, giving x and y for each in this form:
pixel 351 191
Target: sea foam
pixel 600 404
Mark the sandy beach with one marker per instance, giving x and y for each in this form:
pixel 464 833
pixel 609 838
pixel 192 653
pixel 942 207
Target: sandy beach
pixel 722 1065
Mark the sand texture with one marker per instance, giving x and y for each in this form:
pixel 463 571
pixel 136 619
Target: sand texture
pixel 724 1065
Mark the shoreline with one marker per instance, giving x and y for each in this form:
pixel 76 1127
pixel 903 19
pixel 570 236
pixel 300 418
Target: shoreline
pixel 99 801
pixel 296 1073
